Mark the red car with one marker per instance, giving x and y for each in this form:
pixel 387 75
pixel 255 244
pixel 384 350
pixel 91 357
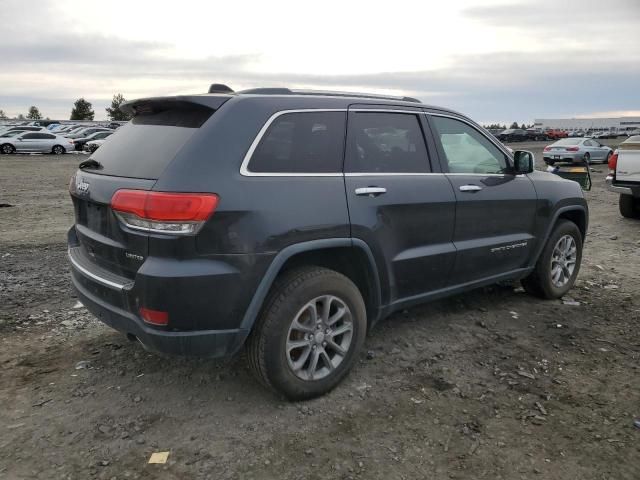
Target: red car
pixel 556 134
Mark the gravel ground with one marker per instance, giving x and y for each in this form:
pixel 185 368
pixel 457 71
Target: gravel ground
pixel 492 384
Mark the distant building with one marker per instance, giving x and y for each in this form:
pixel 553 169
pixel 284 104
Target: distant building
pixel 617 124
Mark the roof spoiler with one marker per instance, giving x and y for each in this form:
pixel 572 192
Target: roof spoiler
pixel 155 104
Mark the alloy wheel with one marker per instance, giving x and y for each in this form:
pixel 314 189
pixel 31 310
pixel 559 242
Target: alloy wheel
pixel 319 337
pixel 563 261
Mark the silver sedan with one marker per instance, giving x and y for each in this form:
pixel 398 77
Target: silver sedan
pixel 576 150
pixel 42 142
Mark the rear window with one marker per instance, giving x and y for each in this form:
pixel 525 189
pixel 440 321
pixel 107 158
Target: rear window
pixel 145 146
pixel 569 141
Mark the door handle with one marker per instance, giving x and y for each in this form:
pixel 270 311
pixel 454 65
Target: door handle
pixel 470 188
pixel 371 191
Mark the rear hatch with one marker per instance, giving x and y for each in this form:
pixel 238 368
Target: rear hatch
pixel 133 158
pixel 628 166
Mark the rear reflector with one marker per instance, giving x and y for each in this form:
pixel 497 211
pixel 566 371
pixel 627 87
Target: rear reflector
pixel 154 317
pixel 572 149
pixel 163 212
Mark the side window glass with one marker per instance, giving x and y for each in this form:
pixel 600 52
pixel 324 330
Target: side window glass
pixel 304 142
pixel 30 136
pixel 466 150
pixel 48 136
pixel 385 143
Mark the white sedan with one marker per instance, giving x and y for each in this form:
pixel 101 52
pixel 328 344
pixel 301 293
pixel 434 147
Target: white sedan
pixel 42 142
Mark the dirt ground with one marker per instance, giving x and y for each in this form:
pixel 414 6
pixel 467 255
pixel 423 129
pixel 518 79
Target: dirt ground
pixel 493 384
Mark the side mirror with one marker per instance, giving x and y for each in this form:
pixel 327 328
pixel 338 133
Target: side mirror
pixel 523 162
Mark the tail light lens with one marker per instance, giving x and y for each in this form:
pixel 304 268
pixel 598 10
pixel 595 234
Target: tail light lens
pixel 547 149
pixel 154 317
pixel 613 163
pixel 163 212
pixel 572 149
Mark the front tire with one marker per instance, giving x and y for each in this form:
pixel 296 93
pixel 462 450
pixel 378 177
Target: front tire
pixel 557 268
pixel 7 149
pixel 309 333
pixel 58 150
pixel 629 206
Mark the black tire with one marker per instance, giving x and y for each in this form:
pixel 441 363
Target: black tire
pixel 550 162
pixel 586 157
pixel 58 150
pixel 267 345
pixel 629 206
pixel 606 162
pixel 7 149
pixel 539 282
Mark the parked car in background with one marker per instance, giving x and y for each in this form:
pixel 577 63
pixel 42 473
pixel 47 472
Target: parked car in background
pixel 321 215
pixel 536 134
pixel 513 135
pixel 85 132
pixel 42 142
pixel 624 176
pixel 576 150
pixel 93 145
pixel 555 134
pixel 23 128
pixel 495 131
pixel 605 134
pixel 576 133
pixel 79 143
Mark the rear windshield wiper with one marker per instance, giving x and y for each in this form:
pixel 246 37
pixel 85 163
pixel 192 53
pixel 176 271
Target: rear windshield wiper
pixel 90 163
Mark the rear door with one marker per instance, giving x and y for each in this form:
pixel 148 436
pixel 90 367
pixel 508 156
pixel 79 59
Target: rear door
pixel 28 142
pixel 495 209
pixel 398 204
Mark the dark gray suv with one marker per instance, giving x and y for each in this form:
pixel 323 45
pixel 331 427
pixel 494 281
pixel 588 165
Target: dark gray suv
pixel 292 222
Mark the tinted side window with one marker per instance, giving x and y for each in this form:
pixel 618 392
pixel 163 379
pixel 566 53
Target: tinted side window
pixel 48 136
pixel 385 143
pixel 30 136
pixel 304 142
pixel 465 149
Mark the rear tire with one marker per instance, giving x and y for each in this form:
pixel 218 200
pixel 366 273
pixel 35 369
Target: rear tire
pixel 606 161
pixel 288 319
pixel 543 282
pixel 7 149
pixel 586 158
pixel 629 206
pixel 58 150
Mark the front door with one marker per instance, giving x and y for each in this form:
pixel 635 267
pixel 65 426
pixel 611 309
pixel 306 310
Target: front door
pixel 28 142
pixel 398 205
pixel 495 209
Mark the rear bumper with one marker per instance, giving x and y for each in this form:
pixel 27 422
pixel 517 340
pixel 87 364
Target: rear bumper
pixel 205 299
pixel 564 157
pixel 201 343
pixel 621 189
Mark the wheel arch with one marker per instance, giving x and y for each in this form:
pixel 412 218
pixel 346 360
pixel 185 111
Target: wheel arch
pixel 351 257
pixel 574 213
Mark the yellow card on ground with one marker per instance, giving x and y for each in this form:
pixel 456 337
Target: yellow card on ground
pixel 159 457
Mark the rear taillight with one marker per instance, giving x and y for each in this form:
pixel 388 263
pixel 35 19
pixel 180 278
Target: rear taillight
pixel 163 212
pixel 547 149
pixel 613 163
pixel 572 149
pixel 154 317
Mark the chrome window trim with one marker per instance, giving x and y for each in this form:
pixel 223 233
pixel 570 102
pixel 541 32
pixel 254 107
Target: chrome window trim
pixel 244 167
pixel 87 273
pixel 390 174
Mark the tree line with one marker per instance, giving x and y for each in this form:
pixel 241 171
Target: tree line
pixel 82 110
pixel 504 127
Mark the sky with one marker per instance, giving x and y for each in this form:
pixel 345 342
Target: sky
pixel 496 61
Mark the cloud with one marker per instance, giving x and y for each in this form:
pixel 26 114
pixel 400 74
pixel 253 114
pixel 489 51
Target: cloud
pixel 574 59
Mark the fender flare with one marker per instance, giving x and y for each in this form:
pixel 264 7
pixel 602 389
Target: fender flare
pixel 552 224
pixel 285 254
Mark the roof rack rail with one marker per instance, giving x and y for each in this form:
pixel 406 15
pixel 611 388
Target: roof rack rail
pixel 329 93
